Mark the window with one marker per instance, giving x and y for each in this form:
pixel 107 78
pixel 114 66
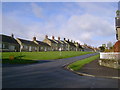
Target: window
pixel 56 48
pixel 0 45
pixel 30 48
pixel 25 46
pixel 35 48
pixel 41 47
pixel 45 49
pixel 11 47
pixel 3 45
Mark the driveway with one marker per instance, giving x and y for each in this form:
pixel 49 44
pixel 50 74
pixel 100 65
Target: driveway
pixel 51 74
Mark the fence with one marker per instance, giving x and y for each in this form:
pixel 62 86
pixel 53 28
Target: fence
pixel 110 55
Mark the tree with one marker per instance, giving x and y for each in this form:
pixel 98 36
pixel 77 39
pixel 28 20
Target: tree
pixel 102 48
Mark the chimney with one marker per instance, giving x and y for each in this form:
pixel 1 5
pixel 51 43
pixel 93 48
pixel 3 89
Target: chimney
pixel 52 37
pixel 71 40
pixel 46 36
pixel 74 41
pixel 64 39
pixel 34 38
pixel 12 35
pixel 68 40
pixel 58 38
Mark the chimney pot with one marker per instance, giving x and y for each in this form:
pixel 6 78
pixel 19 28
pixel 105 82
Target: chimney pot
pixel 46 36
pixel 34 38
pixel 68 40
pixel 12 35
pixel 64 39
pixel 52 37
pixel 58 38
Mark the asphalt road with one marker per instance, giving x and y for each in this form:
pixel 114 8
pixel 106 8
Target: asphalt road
pixel 51 74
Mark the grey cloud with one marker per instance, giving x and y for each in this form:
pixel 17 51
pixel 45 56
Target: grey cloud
pixel 37 10
pixel 83 28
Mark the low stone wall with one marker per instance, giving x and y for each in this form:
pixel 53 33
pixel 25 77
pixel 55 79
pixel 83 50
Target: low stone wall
pixel 109 63
pixel 110 55
pixel 111 59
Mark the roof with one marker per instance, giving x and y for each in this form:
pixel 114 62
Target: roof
pixel 27 41
pixel 79 46
pixel 8 39
pixel 85 46
pixel 42 43
pixel 52 41
pixel 70 43
pixel 58 41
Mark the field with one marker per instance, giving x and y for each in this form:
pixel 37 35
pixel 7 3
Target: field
pixel 42 55
pixel 79 64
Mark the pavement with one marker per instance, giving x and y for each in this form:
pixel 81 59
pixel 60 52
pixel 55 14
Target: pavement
pixel 93 68
pixel 51 74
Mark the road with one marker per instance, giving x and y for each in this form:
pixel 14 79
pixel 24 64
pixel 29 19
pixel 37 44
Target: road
pixel 51 74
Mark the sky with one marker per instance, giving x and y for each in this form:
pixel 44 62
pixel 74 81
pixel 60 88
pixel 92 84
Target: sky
pixel 91 23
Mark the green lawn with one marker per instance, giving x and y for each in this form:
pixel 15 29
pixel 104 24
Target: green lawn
pixel 19 61
pixel 42 55
pixel 79 64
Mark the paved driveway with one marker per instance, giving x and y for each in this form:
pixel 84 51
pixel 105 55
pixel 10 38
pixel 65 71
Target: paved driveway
pixel 50 74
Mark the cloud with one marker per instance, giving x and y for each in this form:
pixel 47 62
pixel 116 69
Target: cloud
pixel 84 28
pixel 37 10
pixel 98 8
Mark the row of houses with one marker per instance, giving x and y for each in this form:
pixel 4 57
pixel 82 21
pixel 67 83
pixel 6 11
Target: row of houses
pixel 9 43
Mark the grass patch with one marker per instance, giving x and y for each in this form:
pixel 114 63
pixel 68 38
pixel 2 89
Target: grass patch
pixel 42 55
pixel 79 64
pixel 18 61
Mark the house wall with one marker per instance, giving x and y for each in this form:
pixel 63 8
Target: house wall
pixel 27 47
pixel 47 41
pixel 54 46
pixel 65 47
pixel 44 48
pixel 9 47
pixel 30 48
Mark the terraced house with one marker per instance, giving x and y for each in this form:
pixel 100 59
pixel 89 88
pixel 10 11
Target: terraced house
pixel 51 42
pixel 8 43
pixel 78 46
pixel 42 46
pixel 63 45
pixel 26 45
pixel 70 45
pixel 88 48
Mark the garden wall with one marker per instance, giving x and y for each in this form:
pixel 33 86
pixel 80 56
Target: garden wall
pixel 110 59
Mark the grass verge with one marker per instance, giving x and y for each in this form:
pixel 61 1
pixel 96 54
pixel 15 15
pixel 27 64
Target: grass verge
pixel 79 64
pixel 43 55
pixel 18 61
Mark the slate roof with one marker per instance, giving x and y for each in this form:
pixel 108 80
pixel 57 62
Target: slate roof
pixel 70 43
pixel 79 46
pixel 42 43
pixel 63 42
pixel 52 41
pixel 8 39
pixel 58 41
pixel 27 41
